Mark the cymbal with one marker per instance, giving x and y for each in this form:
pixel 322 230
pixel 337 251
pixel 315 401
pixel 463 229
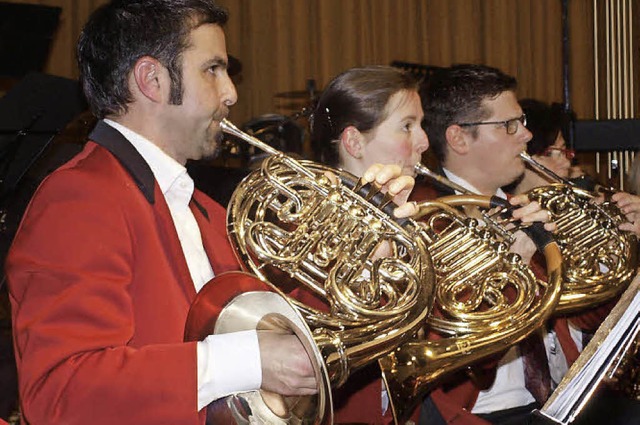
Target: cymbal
pixel 298 94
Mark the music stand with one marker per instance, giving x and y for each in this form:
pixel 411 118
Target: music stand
pixel 32 114
pixel 26 33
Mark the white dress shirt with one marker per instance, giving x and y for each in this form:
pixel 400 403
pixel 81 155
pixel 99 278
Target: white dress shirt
pixel 227 363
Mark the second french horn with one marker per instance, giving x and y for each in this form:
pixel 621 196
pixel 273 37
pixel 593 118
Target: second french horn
pixel 487 299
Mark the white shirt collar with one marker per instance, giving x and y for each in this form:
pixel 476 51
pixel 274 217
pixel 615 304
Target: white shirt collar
pixel 166 170
pixel 462 182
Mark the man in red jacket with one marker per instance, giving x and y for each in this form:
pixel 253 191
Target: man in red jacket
pixel 116 243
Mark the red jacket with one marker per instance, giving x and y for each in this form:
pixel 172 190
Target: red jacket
pixel 100 290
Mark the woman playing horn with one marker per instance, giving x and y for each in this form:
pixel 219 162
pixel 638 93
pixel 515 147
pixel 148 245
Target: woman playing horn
pixel 364 116
pixel 367 116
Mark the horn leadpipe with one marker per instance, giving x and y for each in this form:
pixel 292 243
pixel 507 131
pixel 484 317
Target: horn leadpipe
pixel 495 201
pixel 229 128
pixel 425 171
pixel 535 164
pixel 607 191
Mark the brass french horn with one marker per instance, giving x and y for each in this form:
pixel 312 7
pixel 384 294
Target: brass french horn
pixel 486 298
pixel 316 243
pixel 600 259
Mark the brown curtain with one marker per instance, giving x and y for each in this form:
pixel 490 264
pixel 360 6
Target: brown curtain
pixel 284 43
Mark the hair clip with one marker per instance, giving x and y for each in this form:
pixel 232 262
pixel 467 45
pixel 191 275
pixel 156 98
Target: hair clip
pixel 331 127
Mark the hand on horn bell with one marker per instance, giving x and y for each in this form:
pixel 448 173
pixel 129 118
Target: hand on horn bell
pixel 286 367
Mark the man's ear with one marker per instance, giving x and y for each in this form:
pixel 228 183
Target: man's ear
pixel 458 139
pixel 149 78
pixel 353 141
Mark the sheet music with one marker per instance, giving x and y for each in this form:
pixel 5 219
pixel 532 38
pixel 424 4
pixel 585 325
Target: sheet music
pixel 612 339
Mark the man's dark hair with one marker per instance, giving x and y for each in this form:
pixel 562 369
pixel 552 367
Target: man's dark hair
pixel 357 97
pixel 122 31
pixel 454 95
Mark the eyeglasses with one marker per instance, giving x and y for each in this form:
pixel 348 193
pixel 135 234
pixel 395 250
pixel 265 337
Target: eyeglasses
pixel 510 125
pixel 553 152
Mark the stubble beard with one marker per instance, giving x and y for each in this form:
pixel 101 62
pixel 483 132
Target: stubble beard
pixel 213 146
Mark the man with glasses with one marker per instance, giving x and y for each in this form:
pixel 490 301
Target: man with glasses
pixel 476 126
pixel 477 131
pixel 510 125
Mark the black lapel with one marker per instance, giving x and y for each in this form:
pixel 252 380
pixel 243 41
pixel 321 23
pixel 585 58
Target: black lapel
pixel 200 208
pixel 112 140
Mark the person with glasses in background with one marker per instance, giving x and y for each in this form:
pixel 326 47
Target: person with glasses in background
pixel 548 124
pixel 547 145
pixel 476 128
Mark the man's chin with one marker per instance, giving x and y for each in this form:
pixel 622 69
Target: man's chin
pixel 514 175
pixel 213 149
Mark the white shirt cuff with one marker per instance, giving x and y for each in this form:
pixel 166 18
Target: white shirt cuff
pixel 228 364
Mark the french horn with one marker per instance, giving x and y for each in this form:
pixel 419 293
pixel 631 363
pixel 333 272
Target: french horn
pixel 315 242
pixel 600 259
pixel 487 299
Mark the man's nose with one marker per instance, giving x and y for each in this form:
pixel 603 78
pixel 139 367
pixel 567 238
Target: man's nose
pixel 525 134
pixel 228 92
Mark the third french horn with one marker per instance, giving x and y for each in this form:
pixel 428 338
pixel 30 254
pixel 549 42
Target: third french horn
pixel 600 259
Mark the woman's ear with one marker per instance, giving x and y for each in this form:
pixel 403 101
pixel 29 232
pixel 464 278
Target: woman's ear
pixel 149 78
pixel 353 141
pixel 457 139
